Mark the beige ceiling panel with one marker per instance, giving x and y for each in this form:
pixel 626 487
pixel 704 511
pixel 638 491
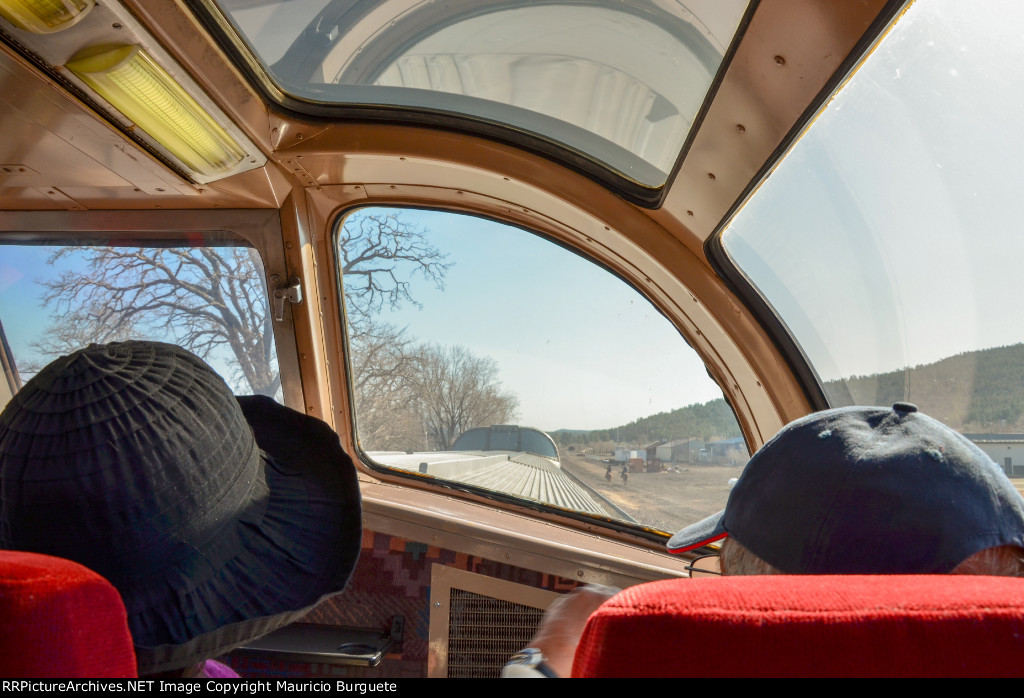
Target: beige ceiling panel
pixel 28 199
pixel 54 161
pixel 70 145
pixel 790 51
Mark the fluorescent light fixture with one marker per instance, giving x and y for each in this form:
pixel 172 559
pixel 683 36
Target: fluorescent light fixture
pixel 44 16
pixel 131 81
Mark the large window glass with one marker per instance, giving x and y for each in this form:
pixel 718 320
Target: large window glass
pixel 208 297
pixel 620 82
pixel 888 240
pixel 488 357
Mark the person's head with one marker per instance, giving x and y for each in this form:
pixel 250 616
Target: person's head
pixel 867 490
pixel 1002 561
pixel 218 519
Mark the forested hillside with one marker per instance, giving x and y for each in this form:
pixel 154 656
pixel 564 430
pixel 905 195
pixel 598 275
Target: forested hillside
pixel 981 391
pixel 711 421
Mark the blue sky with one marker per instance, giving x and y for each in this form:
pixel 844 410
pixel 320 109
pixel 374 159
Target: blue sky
pixel 582 349
pixel 890 236
pixel 20 298
pixel 26 318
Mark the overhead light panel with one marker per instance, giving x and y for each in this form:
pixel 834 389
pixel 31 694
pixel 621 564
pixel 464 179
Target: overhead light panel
pixel 44 16
pixel 135 85
pixel 114 65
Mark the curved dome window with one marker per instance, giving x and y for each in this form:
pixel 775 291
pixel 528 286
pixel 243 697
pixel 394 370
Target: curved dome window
pixel 503 364
pixel 507 437
pixel 888 239
pixel 618 82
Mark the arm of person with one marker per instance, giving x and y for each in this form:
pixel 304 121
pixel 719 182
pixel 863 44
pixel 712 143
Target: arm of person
pixel 551 651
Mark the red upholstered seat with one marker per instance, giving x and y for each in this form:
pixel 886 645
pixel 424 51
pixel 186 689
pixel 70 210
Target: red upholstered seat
pixel 59 619
pixel 920 625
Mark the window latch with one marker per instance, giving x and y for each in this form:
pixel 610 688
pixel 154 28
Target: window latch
pixel 289 291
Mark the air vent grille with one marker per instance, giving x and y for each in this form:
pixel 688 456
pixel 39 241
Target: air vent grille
pixel 477 622
pixel 484 632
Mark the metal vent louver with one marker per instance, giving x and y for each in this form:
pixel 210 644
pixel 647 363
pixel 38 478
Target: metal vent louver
pixel 484 632
pixel 477 622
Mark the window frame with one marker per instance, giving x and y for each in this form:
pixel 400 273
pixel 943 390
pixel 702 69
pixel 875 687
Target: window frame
pixel 636 532
pixel 584 553
pixel 258 229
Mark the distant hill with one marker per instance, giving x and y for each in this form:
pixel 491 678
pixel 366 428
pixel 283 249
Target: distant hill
pixel 711 421
pixel 978 391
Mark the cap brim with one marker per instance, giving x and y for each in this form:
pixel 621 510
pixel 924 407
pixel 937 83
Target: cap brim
pixel 699 534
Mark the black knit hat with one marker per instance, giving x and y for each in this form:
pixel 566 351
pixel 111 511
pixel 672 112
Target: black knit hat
pixel 218 518
pixel 866 490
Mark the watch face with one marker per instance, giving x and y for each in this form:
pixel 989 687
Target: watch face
pixel 529 657
pixel 533 658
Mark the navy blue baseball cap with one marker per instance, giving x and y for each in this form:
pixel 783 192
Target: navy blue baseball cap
pixel 866 490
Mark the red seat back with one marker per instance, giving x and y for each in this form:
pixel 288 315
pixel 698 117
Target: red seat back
pixel 59 619
pixel 948 625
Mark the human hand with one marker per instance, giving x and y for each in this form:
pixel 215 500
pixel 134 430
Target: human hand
pixel 562 625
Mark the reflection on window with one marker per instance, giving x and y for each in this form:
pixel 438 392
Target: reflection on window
pixel 472 440
pixel 487 356
pixel 505 437
pixel 210 300
pixel 620 82
pixel 889 239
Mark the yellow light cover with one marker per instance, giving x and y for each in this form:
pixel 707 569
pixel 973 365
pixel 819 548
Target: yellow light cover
pixel 44 16
pixel 145 93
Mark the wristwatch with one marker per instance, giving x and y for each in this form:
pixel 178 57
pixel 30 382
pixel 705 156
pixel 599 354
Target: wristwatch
pixel 527 663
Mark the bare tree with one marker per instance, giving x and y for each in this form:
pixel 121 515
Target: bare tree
pixel 213 299
pixel 384 365
pixel 202 298
pixel 210 298
pixel 380 256
pixel 457 390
